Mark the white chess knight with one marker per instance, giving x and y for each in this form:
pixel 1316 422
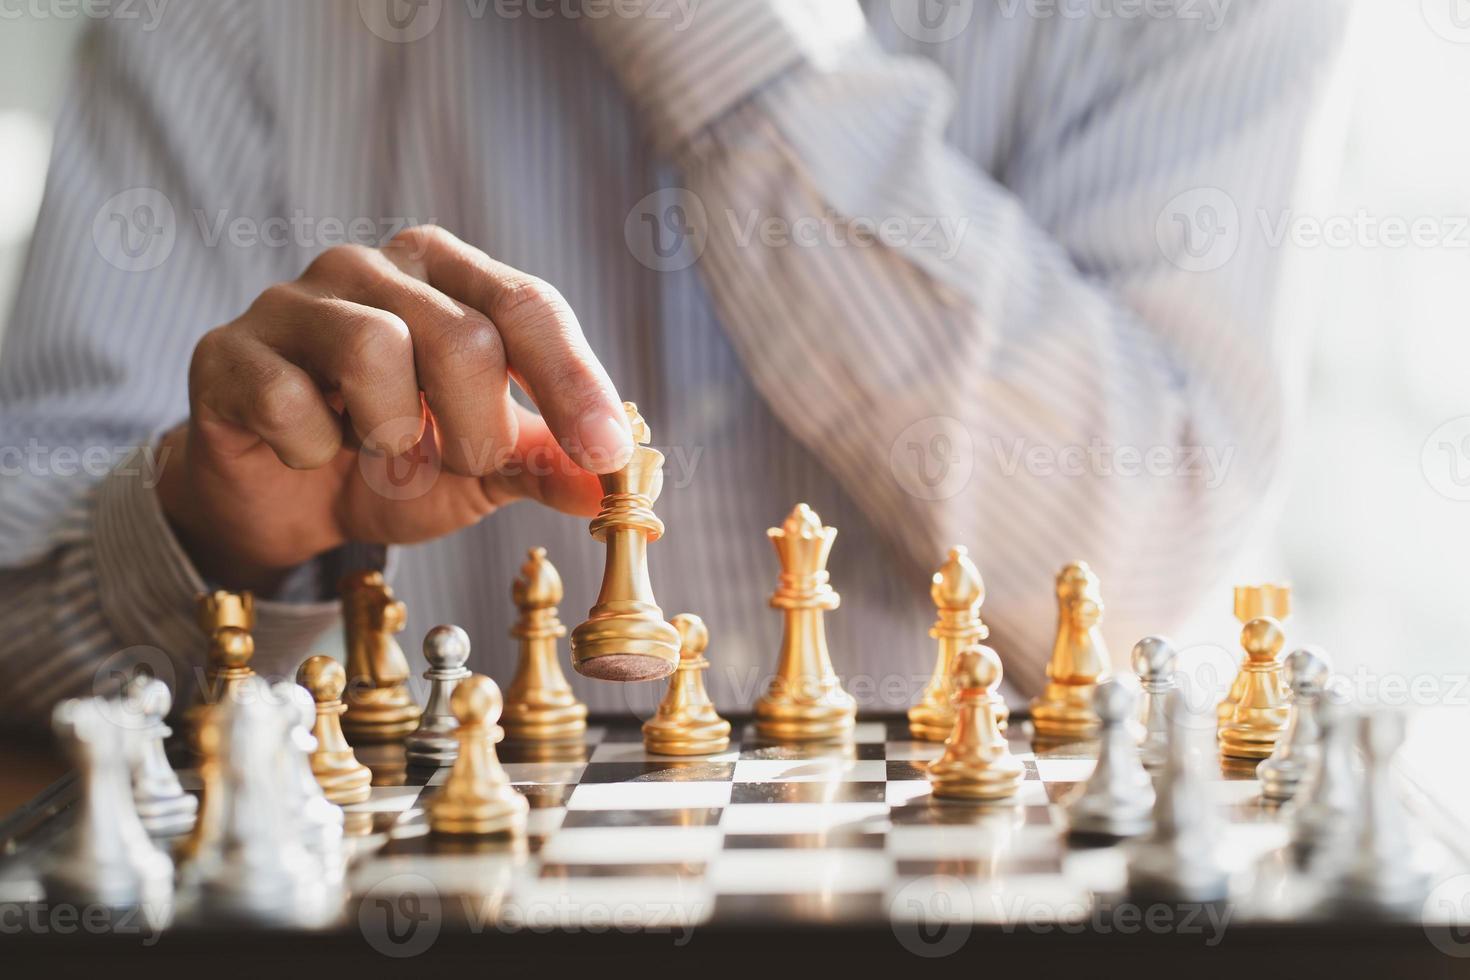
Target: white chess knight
pixel 164 807
pixel 1118 798
pixel 106 857
pixel 318 820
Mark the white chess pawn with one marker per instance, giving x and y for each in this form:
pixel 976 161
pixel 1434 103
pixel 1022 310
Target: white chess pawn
pixel 1153 662
pixel 1325 809
pixel 318 820
pixel 164 807
pixel 1118 799
pixel 1305 672
pixel 434 743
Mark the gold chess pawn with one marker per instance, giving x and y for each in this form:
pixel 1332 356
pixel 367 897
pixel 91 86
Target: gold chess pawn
pixel 228 670
pixel 977 763
pixel 957 591
pixel 380 707
pixel 1079 659
pixel 205 738
pixel 539 704
pixel 477 799
pixel 1253 602
pixel 686 722
pixel 805 700
pixel 343 779
pixel 625 637
pixel 1261 715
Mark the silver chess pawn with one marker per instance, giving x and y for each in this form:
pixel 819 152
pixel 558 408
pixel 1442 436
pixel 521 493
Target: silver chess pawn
pixel 1118 799
pixel 164 807
pixel 1153 662
pixel 1179 861
pixel 1325 808
pixel 1305 672
pixel 319 821
pixel 106 857
pixel 434 743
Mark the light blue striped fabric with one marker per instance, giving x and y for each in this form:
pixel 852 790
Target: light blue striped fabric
pixel 1049 144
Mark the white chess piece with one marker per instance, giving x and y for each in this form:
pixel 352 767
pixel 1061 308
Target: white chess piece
pixel 164 807
pixel 1305 672
pixel 447 649
pixel 318 820
pixel 1118 799
pixel 1153 662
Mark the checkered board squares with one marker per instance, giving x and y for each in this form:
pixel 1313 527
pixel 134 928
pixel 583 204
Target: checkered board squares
pixel 761 832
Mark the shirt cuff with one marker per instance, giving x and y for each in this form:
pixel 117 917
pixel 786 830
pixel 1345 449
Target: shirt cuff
pixel 683 66
pixel 147 587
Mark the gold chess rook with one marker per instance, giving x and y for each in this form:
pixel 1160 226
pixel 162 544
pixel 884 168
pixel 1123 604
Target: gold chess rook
pixel 1253 602
pixel 686 722
pixel 539 704
pixel 805 701
pixel 1079 660
pixel 957 591
pixel 380 707
pixel 625 637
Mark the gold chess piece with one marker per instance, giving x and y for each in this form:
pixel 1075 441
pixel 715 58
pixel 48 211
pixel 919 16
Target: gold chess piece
pixel 977 763
pixel 342 777
pixel 477 799
pixel 958 591
pixel 1261 715
pixel 205 736
pixel 1252 602
pixel 220 608
pixel 625 637
pixel 805 701
pixel 1079 659
pixel 686 722
pixel 226 673
pixel 539 704
pixel 380 707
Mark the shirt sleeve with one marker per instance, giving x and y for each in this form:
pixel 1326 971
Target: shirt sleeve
pixel 119 284
pixel 1074 349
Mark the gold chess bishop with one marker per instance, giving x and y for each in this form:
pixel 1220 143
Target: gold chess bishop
pixel 805 700
pixel 1079 659
pixel 958 591
pixel 343 779
pixel 686 722
pixel 977 763
pixel 539 704
pixel 1253 602
pixel 625 637
pixel 477 800
pixel 1260 717
pixel 380 707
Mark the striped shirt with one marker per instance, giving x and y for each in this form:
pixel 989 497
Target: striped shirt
pixel 981 272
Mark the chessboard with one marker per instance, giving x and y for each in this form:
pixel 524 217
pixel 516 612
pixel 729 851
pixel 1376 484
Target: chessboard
pixel 701 856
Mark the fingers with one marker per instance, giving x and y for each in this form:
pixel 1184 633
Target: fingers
pixel 543 342
pixel 247 393
pixel 540 470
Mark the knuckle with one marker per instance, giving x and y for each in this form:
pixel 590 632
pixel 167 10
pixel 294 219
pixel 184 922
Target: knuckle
pixel 475 344
pixel 418 237
pixel 281 403
pixel 527 298
pixel 342 263
pixel 378 344
pixel 275 299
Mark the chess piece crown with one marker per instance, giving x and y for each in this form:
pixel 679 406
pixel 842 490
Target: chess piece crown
pixel 686 722
pixel 539 704
pixel 625 637
pixel 379 705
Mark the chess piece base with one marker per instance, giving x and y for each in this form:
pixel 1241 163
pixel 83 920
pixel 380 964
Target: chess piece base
pixel 347 786
pixel 1241 742
pixel 1280 778
pixel 431 751
pixel 544 723
pixel 172 817
pixel 381 715
pixel 1064 711
pixel 933 723
pixel 965 780
pixel 503 814
pixel 830 719
pixel 686 737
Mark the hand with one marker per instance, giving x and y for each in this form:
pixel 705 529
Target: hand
pixel 369 400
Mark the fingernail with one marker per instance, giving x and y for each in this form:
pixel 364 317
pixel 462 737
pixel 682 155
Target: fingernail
pixel 607 444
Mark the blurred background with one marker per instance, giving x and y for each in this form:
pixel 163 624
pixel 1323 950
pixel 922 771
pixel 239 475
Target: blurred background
pixel 1380 503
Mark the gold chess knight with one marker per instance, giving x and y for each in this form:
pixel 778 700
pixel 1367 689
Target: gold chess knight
pixel 805 700
pixel 1253 602
pixel 977 763
pixel 1262 714
pixel 686 722
pixel 1079 659
pixel 539 704
pixel 380 707
pixel 957 591
pixel 625 637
